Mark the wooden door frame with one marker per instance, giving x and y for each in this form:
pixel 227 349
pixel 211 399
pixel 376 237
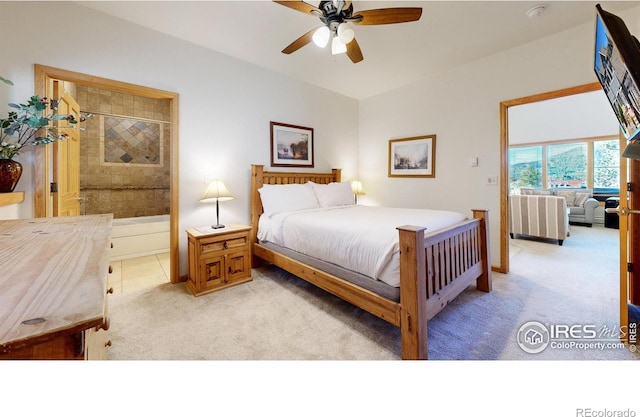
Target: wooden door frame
pixel 42 174
pixel 504 158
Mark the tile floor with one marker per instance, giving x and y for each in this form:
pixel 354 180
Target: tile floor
pixel 138 273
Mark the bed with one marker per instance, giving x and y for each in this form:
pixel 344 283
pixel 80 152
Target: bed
pixel 433 266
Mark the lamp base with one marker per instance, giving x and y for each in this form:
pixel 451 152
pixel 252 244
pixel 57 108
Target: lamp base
pixel 217 226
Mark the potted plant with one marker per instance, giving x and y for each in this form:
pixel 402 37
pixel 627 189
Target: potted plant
pixel 30 124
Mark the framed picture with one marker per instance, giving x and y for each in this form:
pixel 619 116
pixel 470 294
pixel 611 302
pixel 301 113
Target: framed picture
pixel 291 146
pixel 413 157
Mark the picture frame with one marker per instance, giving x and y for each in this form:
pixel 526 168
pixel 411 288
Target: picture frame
pixel 413 157
pixel 291 145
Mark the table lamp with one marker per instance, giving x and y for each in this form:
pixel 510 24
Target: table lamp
pixel 216 191
pixel 356 187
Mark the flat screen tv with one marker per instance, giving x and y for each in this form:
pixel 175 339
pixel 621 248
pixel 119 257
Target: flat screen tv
pixel 617 66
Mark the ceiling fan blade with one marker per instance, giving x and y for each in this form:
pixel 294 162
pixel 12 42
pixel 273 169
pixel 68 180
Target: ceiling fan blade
pixel 353 52
pixel 300 42
pixel 301 7
pixel 387 16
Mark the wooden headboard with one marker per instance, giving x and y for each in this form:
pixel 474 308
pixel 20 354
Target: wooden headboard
pixel 259 177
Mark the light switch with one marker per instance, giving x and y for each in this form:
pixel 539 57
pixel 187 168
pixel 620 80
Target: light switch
pixel 473 161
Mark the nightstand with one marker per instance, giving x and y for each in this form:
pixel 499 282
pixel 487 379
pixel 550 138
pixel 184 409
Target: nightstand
pixel 218 258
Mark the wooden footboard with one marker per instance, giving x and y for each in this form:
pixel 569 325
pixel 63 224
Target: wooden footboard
pixel 434 267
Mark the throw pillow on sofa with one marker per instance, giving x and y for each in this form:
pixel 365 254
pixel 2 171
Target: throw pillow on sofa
pixel 570 196
pixel 580 199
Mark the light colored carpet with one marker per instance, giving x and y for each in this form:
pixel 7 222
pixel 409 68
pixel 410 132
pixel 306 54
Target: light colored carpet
pixel 279 317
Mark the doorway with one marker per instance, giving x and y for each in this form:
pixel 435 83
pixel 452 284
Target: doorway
pixel 42 195
pixel 504 158
pixel 624 244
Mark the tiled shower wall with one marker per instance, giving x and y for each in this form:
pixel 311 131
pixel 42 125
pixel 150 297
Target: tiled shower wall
pixel 124 154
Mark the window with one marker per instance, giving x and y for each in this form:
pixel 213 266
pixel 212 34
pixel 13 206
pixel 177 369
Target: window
pixel 606 166
pixel 525 167
pixel 567 165
pixel 591 163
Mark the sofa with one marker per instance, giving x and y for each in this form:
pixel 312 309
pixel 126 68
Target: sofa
pixel 543 216
pixel 582 206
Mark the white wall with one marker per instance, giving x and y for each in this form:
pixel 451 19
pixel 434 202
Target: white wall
pixel 572 117
pixel 462 108
pixel 225 104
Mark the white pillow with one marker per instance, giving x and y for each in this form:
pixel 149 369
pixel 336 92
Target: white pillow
pixel 333 194
pixel 287 197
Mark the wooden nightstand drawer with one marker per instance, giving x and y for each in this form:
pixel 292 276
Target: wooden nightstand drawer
pixel 221 243
pixel 218 258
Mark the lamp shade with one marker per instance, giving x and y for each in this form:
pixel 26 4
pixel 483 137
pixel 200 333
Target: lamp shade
pixel 216 191
pixel 337 47
pixel 321 36
pixel 345 33
pixel 356 187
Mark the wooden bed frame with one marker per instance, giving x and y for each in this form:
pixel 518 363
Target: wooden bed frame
pixel 434 267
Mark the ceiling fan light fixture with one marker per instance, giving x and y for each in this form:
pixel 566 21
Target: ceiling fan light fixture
pixel 345 33
pixel 336 17
pixel 321 36
pixel 337 47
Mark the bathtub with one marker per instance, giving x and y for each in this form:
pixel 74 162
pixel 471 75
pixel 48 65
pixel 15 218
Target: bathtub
pixel 139 236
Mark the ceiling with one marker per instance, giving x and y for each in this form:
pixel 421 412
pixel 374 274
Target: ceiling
pixel 449 34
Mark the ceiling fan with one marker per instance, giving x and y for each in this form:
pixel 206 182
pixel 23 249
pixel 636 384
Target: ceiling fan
pixel 336 15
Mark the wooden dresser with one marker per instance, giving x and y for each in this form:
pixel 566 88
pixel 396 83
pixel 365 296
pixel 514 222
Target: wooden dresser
pixel 53 287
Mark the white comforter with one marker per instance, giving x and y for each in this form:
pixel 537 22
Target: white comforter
pixel 360 238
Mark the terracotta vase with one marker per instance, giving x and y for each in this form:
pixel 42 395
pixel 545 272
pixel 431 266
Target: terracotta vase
pixel 10 172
